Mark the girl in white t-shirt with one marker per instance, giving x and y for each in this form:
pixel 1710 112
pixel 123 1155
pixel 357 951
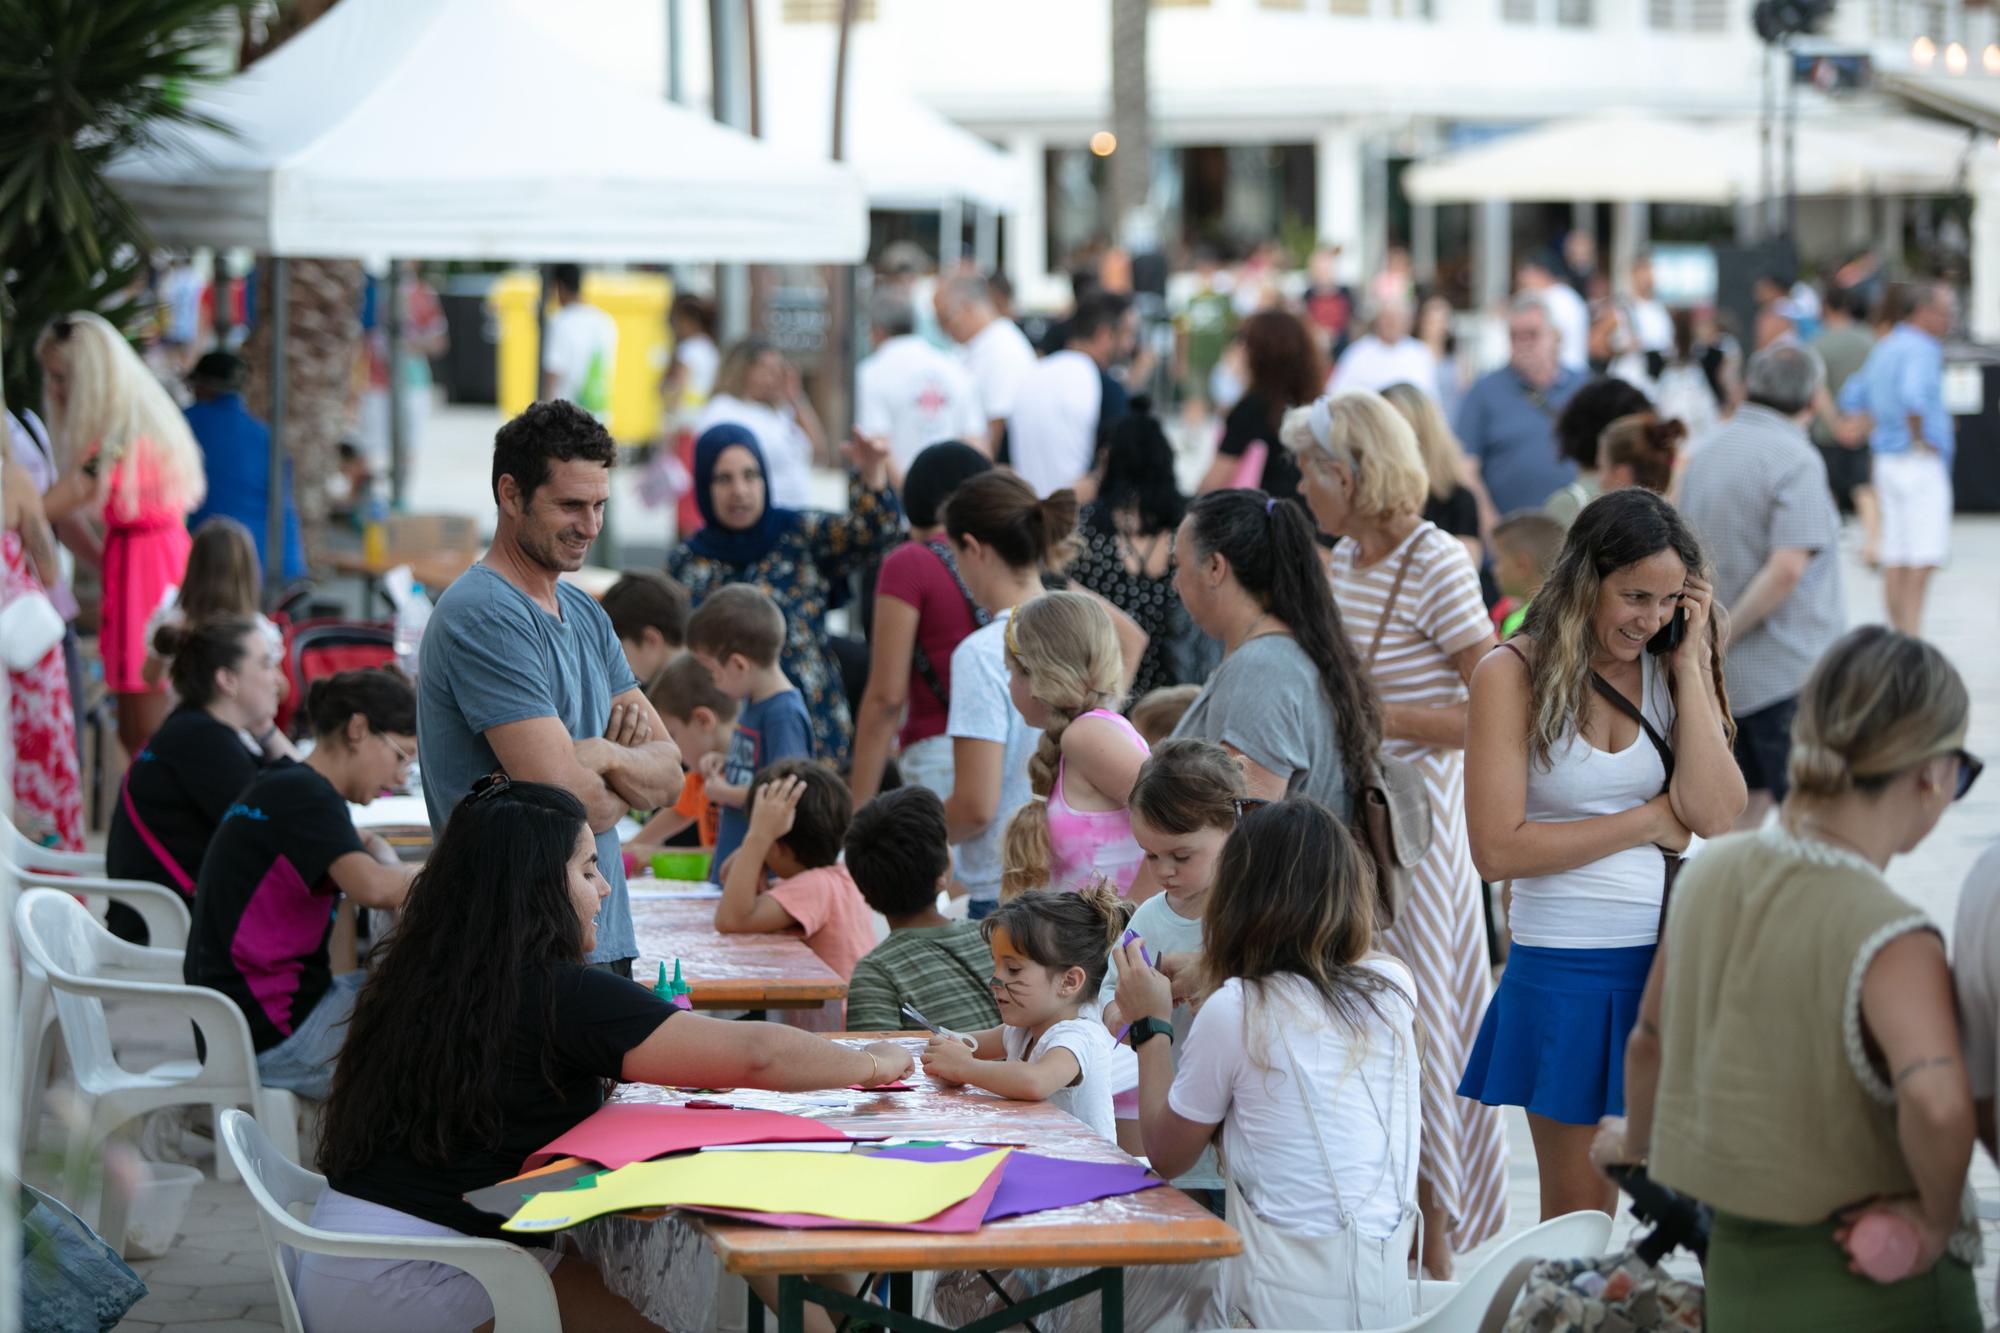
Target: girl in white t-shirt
pixel 1302 1063
pixel 1049 953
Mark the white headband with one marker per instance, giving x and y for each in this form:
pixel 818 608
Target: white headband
pixel 1320 422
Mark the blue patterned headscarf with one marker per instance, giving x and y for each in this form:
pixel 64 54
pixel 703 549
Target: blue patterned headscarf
pixel 743 546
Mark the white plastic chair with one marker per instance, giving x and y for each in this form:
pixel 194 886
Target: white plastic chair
pixel 1462 1308
pixel 86 965
pixel 524 1300
pixel 15 847
pixel 167 924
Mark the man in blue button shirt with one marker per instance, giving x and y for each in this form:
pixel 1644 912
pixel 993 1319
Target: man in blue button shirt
pixel 236 453
pixel 1508 419
pixel 1899 390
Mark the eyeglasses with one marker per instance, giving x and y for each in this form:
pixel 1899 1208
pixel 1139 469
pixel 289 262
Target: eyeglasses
pixel 1970 766
pixel 403 761
pixel 488 787
pixel 1245 804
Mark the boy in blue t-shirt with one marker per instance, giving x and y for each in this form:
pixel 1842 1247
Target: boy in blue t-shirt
pixel 737 633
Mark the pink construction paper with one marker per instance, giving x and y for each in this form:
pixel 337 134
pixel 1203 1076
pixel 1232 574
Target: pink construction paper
pixel 625 1132
pixel 967 1215
pixel 882 1087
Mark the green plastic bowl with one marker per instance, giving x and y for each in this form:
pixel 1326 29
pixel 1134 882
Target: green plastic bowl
pixel 681 865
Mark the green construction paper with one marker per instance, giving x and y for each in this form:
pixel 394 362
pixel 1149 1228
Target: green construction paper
pixel 848 1186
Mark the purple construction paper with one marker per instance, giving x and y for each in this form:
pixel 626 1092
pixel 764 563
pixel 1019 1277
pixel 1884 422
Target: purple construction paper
pixel 967 1215
pixel 1033 1183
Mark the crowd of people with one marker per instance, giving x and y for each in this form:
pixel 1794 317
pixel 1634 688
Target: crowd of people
pixel 1152 796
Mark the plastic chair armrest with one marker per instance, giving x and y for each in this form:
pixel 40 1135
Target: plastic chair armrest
pixel 164 911
pixel 220 1022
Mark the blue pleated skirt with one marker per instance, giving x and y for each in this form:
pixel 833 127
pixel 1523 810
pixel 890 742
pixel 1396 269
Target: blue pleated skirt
pixel 1553 1040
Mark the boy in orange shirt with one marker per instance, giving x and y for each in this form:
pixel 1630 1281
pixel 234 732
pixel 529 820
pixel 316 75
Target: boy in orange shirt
pixel 798 814
pixel 700 719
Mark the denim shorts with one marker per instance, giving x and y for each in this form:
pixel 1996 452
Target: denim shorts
pixel 303 1062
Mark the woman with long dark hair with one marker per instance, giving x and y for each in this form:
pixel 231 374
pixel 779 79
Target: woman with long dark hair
pixel 1291 698
pixel 1286 371
pixel 1128 545
pixel 481 1035
pixel 1597 739
pixel 1305 1026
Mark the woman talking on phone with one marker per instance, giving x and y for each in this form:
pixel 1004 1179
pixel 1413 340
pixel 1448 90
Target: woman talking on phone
pixel 1597 744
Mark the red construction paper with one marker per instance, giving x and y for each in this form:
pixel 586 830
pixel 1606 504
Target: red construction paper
pixel 882 1087
pixel 625 1132
pixel 968 1214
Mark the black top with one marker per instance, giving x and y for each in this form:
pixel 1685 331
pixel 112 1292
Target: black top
pixel 263 905
pixel 596 1018
pixel 1149 601
pixel 1248 422
pixel 1458 515
pixel 180 785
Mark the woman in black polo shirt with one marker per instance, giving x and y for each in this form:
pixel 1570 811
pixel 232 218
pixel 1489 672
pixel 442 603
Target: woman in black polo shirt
pixel 181 783
pixel 481 1035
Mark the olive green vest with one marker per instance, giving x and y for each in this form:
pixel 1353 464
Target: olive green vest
pixel 1768 1104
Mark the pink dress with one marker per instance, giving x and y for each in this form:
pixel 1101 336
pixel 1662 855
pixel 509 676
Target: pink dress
pixel 1083 843
pixel 144 551
pixel 48 790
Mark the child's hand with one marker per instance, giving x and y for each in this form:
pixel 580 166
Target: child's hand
pixel 948 1060
pixel 1180 968
pixel 710 766
pixel 777 804
pixel 1142 991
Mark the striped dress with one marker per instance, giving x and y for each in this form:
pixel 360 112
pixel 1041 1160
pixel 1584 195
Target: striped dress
pixel 1441 933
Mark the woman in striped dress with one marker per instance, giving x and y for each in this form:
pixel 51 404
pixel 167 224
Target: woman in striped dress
pixel 1409 597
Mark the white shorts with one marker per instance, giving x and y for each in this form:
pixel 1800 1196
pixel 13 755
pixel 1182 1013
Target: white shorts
pixel 1914 490
pixel 385 1295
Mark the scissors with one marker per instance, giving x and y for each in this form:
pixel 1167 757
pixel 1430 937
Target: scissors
pixel 969 1043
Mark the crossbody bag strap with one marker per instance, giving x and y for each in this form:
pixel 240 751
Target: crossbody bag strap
pixel 1395 591
pixel 1617 700
pixel 153 844
pixel 921 660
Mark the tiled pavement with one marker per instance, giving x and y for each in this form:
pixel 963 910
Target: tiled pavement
pixel 216 1280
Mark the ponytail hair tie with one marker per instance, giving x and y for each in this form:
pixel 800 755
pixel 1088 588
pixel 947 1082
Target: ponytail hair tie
pixel 1270 503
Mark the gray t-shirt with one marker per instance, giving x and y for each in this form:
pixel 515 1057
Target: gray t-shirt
pixel 1755 487
pixel 1265 700
pixel 491 656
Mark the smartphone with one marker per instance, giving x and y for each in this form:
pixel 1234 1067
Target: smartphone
pixel 1669 637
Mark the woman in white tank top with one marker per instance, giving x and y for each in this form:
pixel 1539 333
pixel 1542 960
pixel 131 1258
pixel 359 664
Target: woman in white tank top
pixel 1574 798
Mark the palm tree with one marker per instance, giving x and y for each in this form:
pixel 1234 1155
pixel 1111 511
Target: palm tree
pixel 1131 113
pixel 81 82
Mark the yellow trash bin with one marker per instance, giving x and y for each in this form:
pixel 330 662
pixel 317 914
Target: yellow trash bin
pixel 637 304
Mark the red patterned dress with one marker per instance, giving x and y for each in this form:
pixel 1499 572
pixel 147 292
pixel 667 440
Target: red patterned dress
pixel 48 789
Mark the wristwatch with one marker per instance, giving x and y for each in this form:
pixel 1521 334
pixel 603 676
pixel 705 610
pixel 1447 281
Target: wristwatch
pixel 1145 1029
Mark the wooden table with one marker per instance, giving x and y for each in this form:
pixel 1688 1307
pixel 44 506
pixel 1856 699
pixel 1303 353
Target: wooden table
pixel 1159 1226
pixel 723 971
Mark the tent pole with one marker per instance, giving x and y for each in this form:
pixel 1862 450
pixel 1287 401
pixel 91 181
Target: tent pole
pixel 399 427
pixel 278 304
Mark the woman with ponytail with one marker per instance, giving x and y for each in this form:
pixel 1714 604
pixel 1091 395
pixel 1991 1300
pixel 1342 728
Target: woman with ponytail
pixel 1065 674
pixel 1640 450
pixel 1290 700
pixel 1796 1061
pixel 1003 537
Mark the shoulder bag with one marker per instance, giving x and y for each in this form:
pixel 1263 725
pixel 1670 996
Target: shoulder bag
pixel 1392 810
pixel 1610 694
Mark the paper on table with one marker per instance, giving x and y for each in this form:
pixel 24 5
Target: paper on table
pixel 967 1215
pixel 391 812
pixel 644 888
pixel 842 1185
pixel 1035 1183
pixel 625 1132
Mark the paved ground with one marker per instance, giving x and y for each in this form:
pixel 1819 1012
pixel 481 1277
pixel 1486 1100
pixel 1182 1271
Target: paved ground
pixel 216 1281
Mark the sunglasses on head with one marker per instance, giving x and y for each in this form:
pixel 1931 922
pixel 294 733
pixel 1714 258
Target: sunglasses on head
pixel 488 787
pixel 1970 766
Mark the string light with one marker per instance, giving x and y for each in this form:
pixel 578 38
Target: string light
pixel 1922 52
pixel 1954 59
pixel 1104 143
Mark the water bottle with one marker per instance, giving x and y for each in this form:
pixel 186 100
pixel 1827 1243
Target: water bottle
pixel 411 618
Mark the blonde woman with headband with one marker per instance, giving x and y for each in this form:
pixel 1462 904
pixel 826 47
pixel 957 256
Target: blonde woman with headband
pixel 132 464
pixel 1796 1061
pixel 1409 597
pixel 1066 676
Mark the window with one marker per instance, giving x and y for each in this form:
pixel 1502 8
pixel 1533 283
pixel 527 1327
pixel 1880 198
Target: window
pixel 824 11
pixel 1561 13
pixel 1687 15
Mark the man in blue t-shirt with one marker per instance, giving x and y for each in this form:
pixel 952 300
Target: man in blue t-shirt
pixel 236 455
pixel 522 673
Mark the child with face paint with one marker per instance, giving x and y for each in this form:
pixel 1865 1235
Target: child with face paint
pixel 1049 957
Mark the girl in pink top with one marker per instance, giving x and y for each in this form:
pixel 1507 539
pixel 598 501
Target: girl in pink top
pixel 1065 668
pixel 132 463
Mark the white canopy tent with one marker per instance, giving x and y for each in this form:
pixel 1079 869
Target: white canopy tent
pixel 457 129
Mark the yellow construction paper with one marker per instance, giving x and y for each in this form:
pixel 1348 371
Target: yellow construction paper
pixel 850 1186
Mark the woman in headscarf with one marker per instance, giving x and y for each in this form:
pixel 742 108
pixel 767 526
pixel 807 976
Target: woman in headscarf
pixel 796 557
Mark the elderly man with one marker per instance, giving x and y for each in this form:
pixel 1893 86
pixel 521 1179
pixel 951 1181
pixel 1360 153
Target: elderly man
pixel 1386 354
pixel 1507 421
pixel 1758 495
pixel 1900 391
pixel 909 392
pixel 997 354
